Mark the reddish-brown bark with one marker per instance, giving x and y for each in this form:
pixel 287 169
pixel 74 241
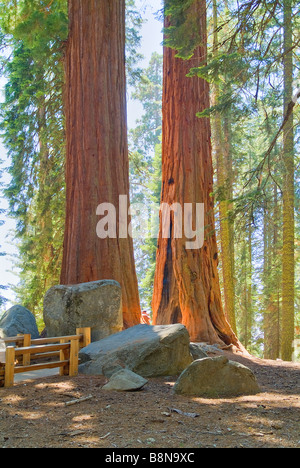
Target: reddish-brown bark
pixel 186 285
pixel 97 149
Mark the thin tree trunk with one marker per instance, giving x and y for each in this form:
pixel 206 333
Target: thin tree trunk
pixel 186 286
pixel 224 175
pixel 45 220
pixel 288 257
pixel 97 150
pixel 271 275
pixel 268 338
pixel 249 311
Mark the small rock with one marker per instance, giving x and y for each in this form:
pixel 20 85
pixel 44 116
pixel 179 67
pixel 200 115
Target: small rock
pixel 209 349
pixel 197 351
pixel 125 381
pixel 277 426
pixel 150 441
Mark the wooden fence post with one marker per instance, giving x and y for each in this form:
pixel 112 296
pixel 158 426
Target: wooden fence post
pixel 64 356
pixel 86 332
pixel 27 344
pixel 74 352
pixel 10 366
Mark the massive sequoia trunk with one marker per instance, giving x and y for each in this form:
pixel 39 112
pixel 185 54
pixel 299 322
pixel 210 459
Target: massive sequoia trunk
pixel 186 285
pixel 97 149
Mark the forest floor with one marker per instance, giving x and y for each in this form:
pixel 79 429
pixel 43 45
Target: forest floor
pixel 34 414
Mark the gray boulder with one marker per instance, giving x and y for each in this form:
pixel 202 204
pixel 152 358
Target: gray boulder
pixel 208 349
pixel 97 305
pixel 146 350
pixel 125 381
pixel 2 351
pixel 216 377
pixel 18 321
pixel 197 351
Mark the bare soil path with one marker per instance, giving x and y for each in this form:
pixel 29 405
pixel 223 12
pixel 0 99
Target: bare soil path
pixel 34 415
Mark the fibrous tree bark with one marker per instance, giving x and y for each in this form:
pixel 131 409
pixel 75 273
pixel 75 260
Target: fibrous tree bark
pixel 97 169
pixel 186 286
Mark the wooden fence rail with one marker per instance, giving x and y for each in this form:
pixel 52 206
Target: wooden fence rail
pixel 64 348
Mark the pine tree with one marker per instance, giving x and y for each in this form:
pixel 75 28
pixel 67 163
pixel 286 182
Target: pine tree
pixel 32 125
pixel 254 55
pixel 288 255
pixel 2 254
pixel 222 149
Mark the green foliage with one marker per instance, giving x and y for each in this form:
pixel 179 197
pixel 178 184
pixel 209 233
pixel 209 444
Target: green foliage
pixel 134 22
pixel 32 124
pixel 182 33
pixel 145 167
pixel 33 37
pixel 146 135
pixel 247 67
pixel 2 254
pixel 150 246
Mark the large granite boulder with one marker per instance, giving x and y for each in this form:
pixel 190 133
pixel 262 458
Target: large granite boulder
pixel 97 305
pixel 149 351
pixel 215 378
pixel 18 321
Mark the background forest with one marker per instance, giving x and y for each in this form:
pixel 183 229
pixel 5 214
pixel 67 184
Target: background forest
pixel 253 69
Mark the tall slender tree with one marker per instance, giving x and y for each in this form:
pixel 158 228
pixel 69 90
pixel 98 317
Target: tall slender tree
pixel 186 287
pixel 221 138
pixel 2 298
pixel 33 134
pixel 288 257
pixel 97 149
pixel 271 278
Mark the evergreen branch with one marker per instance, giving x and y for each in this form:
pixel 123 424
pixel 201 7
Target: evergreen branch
pixel 258 172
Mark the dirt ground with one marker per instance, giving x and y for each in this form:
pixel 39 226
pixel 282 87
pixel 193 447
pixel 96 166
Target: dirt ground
pixel 34 414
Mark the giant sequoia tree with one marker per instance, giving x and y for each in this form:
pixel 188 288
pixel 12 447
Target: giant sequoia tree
pixel 97 151
pixel 186 285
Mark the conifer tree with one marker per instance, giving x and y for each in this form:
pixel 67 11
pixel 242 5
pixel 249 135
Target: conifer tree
pixel 33 133
pixel 2 254
pixel 288 255
pixel 223 157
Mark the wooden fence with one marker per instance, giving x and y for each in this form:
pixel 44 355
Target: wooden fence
pixel 64 350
